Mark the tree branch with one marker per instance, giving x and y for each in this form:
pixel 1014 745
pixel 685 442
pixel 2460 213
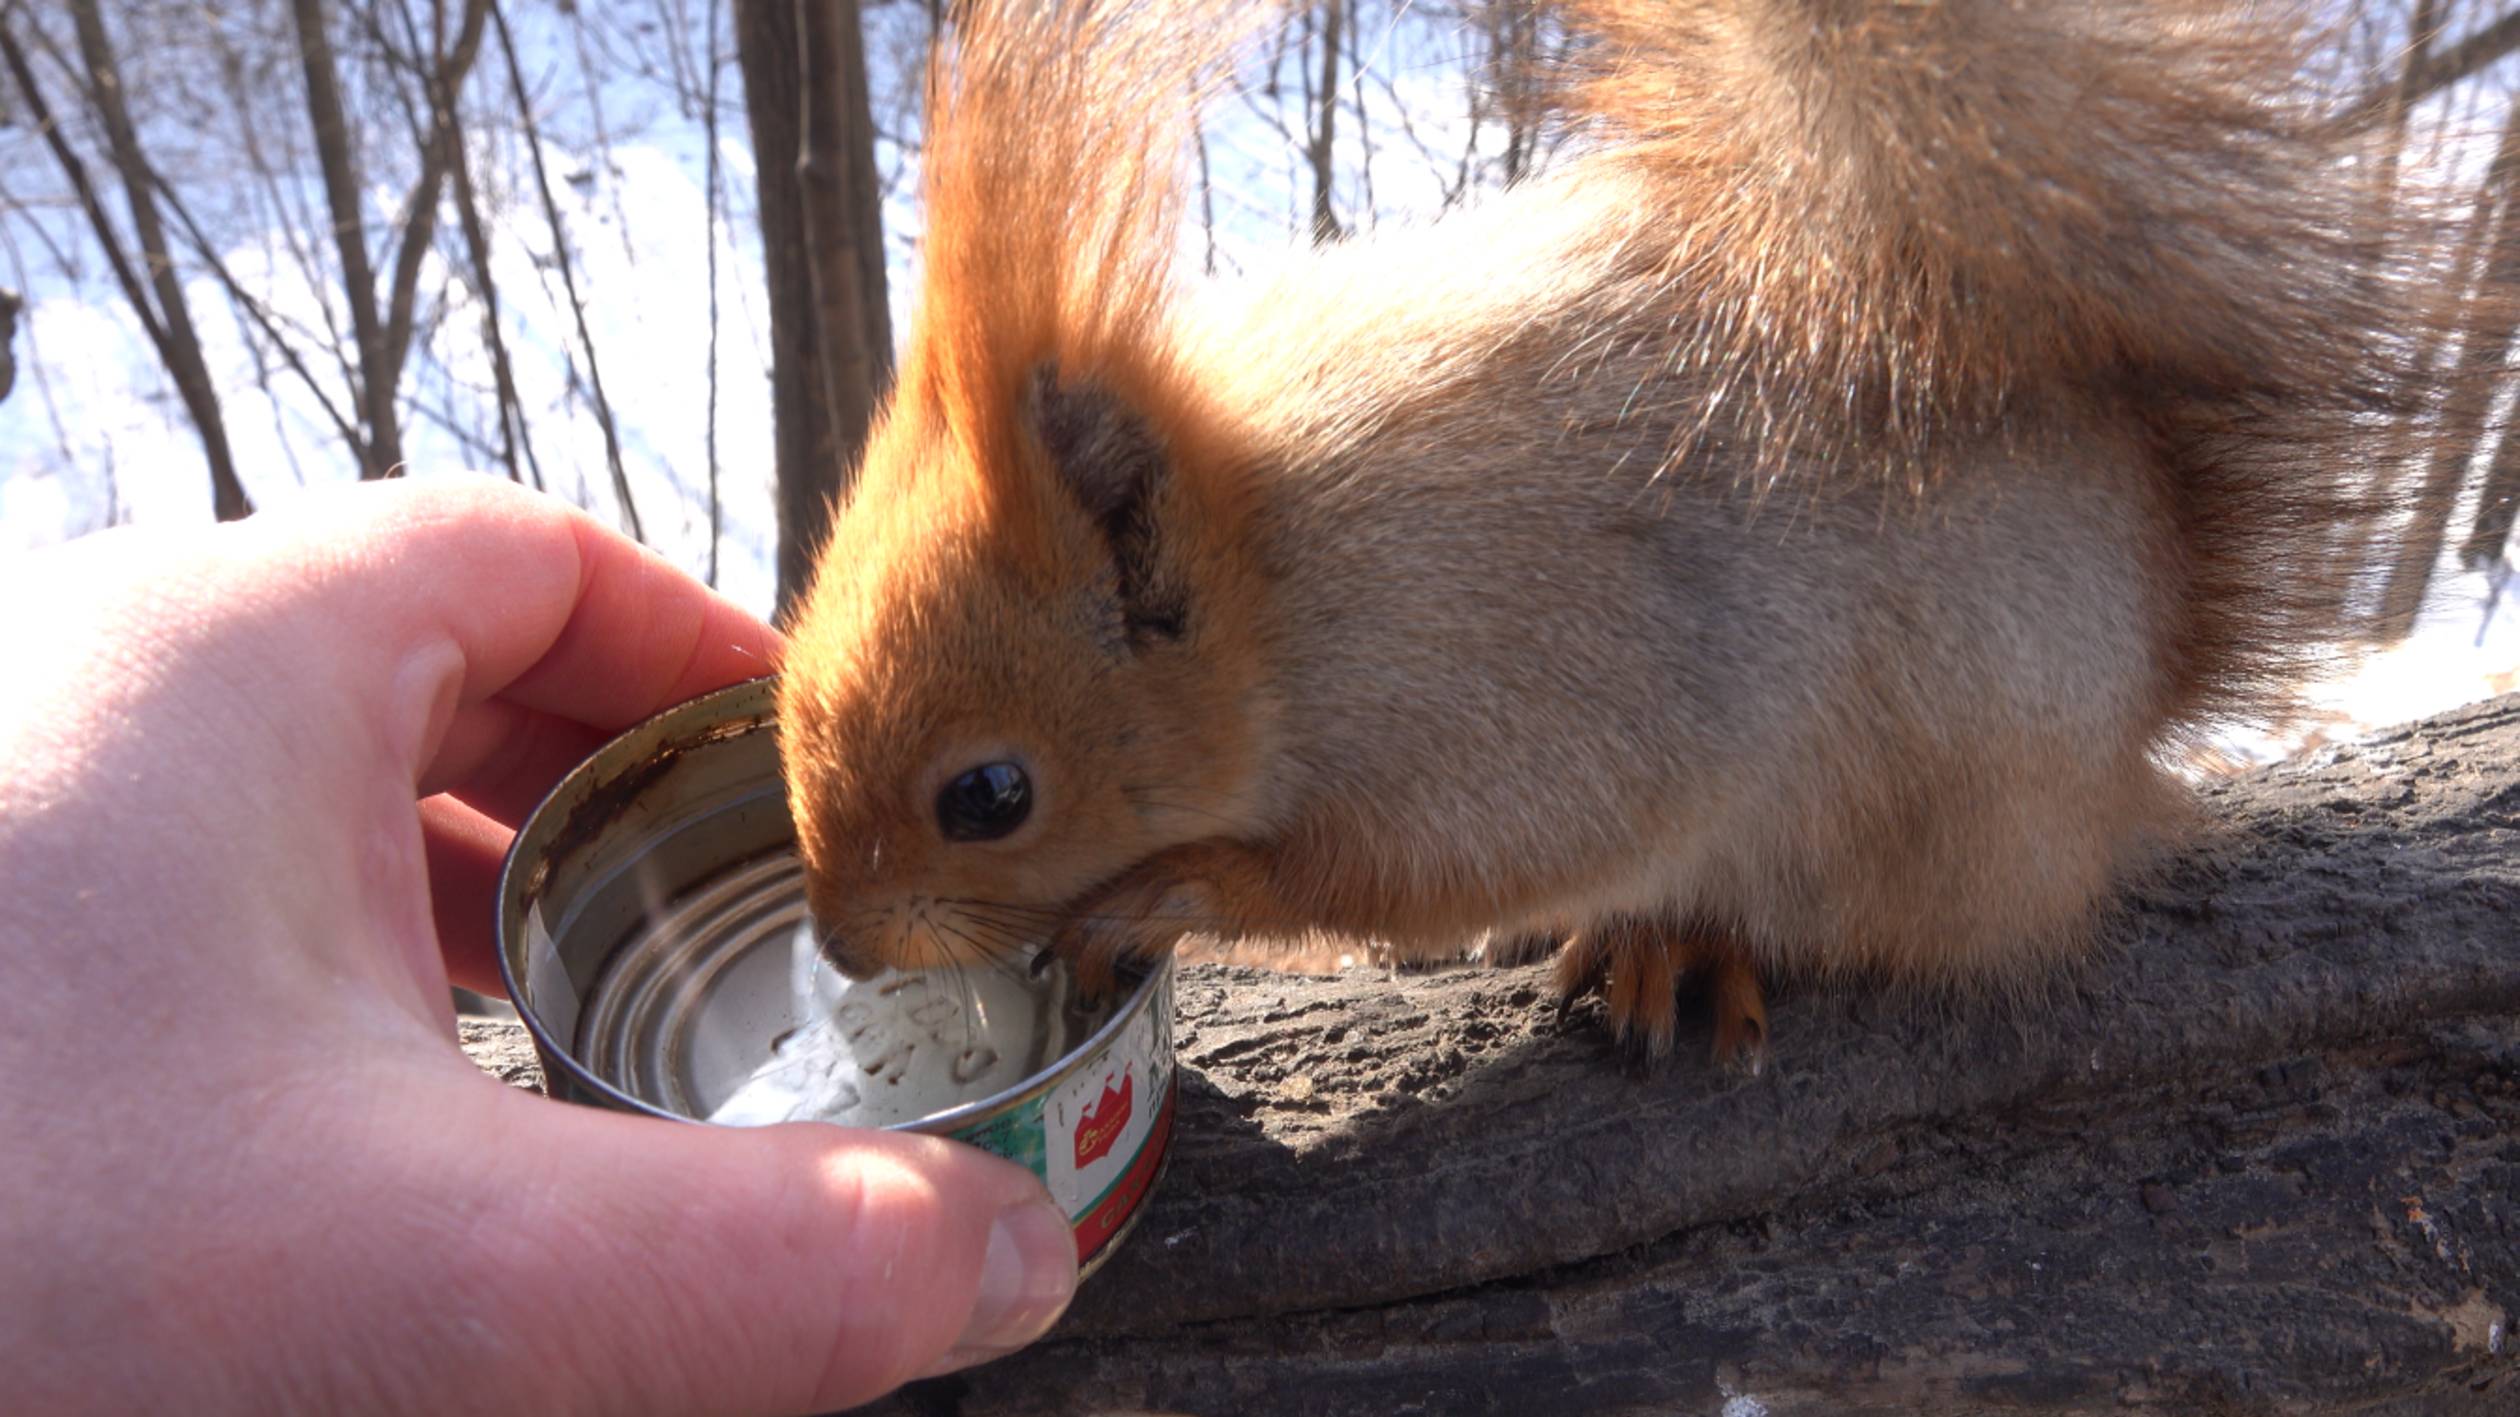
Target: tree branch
pixel 1321 151
pixel 516 444
pixel 169 330
pixel 568 275
pixel 2257 1155
pixel 2435 71
pixel 243 300
pixel 441 81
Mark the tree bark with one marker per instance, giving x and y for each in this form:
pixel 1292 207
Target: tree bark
pixel 805 95
pixel 2258 1156
pixel 844 242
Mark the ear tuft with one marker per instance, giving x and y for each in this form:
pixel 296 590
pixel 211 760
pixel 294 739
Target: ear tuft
pixel 1101 449
pixel 1111 461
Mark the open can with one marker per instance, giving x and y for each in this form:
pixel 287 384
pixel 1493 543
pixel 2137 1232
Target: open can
pixel 654 938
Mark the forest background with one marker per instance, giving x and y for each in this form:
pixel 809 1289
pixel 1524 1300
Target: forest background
pixel 654 255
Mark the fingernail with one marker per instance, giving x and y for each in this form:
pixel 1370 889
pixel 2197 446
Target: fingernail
pixel 1026 1279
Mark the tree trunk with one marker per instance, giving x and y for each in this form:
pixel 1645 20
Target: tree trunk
pixel 2448 451
pixel 805 95
pixel 179 347
pixel 1512 30
pixel 10 304
pixel 442 84
pixel 2496 505
pixel 844 239
pixel 1322 148
pixel 2259 1156
pixel 335 154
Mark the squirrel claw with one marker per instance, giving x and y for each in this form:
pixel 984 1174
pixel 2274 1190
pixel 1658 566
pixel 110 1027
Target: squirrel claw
pixel 1134 919
pixel 1626 961
pixel 1741 1026
pixel 1643 992
pixel 1635 964
pixel 1582 969
pixel 1095 951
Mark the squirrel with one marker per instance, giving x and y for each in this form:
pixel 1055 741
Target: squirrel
pixel 1795 535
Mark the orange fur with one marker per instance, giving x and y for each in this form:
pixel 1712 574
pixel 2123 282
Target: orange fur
pixel 1811 514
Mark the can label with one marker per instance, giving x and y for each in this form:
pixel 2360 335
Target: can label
pixel 1097 1137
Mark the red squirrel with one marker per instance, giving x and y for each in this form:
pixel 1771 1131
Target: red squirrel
pixel 1796 534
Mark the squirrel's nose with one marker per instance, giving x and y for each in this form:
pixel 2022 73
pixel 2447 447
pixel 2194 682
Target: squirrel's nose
pixel 851 963
pixel 836 950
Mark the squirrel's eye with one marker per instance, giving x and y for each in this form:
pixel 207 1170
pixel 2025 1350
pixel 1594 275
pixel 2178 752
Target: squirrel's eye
pixel 985 803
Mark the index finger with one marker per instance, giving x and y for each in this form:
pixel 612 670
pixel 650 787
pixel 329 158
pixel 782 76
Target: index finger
pixel 435 597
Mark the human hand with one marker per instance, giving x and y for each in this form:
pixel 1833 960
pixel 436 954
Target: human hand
pixel 242 1165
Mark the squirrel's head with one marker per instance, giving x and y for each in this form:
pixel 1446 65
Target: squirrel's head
pixel 1026 663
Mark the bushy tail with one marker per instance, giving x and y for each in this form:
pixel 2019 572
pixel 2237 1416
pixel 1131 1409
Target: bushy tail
pixel 1989 192
pixel 1891 227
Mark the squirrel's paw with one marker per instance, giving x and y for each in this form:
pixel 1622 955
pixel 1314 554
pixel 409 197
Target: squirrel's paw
pixel 1134 919
pixel 1636 965
pixel 1629 962
pixel 1741 1026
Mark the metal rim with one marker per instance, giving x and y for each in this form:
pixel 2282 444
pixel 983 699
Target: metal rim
pixel 664 728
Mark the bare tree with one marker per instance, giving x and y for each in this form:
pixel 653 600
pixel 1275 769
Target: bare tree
pixel 1511 29
pixel 844 235
pixel 830 331
pixel 243 159
pixel 2497 503
pixel 2440 68
pixel 10 304
pixel 2485 348
pixel 568 275
pixel 159 301
pixel 1322 122
pixel 712 194
pixel 383 335
pixel 516 443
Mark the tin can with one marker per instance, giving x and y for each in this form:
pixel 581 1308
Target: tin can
pixel 653 937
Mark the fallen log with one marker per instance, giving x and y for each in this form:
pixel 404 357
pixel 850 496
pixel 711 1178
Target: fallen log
pixel 2262 1155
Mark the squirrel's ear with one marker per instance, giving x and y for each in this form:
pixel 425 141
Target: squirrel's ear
pixel 1112 462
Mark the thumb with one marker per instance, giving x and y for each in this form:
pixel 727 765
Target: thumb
pixel 675 1267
